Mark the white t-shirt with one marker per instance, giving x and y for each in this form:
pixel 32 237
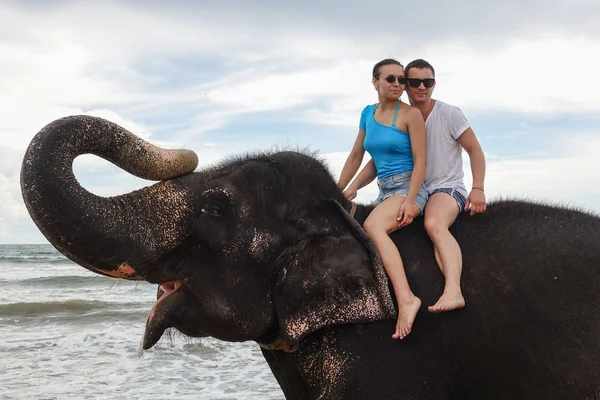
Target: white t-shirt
pixel 444 126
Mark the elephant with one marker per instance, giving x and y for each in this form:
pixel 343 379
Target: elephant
pixel 264 247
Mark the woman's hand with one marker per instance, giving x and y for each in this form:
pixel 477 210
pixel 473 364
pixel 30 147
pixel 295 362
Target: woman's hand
pixel 407 212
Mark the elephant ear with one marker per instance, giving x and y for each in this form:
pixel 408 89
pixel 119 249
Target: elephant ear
pixel 334 276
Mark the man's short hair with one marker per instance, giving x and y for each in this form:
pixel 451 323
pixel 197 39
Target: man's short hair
pixel 418 63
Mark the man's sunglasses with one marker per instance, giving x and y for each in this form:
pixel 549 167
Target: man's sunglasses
pixel 414 82
pixel 392 79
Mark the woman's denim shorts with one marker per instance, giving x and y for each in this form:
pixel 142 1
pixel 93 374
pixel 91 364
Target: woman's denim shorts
pixel 399 184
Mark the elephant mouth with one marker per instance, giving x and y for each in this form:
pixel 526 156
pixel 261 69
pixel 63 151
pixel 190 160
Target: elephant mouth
pixel 162 312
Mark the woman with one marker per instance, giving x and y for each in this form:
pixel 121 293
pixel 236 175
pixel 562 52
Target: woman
pixel 393 133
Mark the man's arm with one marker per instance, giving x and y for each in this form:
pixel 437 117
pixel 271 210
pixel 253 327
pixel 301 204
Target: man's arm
pixel 366 176
pixel 476 198
pixel 353 161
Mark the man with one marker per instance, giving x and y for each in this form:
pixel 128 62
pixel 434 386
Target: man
pixel 448 132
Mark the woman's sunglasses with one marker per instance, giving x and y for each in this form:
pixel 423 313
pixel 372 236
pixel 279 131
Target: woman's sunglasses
pixel 414 82
pixel 392 79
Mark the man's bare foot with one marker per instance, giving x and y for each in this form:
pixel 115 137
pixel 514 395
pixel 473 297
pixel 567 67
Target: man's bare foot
pixel 406 316
pixel 448 301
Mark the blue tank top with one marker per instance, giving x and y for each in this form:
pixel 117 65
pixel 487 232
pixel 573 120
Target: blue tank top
pixel 388 146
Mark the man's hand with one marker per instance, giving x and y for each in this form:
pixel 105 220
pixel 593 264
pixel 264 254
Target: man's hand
pixel 350 193
pixel 476 200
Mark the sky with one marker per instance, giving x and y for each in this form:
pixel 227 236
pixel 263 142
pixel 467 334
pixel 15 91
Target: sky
pixel 224 78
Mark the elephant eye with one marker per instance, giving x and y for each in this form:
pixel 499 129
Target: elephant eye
pixel 213 211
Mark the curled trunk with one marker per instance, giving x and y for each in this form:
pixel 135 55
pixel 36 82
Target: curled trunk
pixel 105 234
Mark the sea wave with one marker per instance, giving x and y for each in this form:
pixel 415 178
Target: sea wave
pixel 62 281
pixel 34 259
pixel 35 309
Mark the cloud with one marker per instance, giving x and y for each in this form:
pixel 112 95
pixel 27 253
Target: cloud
pixel 524 75
pixel 291 89
pixel 569 178
pixel 355 19
pixel 563 181
pixel 15 223
pixel 171 60
pixel 224 78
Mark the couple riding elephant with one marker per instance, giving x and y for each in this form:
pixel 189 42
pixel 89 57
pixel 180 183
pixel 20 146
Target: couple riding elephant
pixel 263 248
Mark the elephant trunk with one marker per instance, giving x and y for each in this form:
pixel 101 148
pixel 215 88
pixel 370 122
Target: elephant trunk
pixel 106 235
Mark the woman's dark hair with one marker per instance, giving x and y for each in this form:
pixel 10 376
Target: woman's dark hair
pixel 387 61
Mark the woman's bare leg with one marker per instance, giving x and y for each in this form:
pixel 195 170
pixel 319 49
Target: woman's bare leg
pixel 381 222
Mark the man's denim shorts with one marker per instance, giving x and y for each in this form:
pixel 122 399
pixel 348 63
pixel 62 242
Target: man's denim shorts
pixel 399 184
pixel 456 195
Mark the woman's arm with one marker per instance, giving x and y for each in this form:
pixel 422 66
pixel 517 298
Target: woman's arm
pixel 353 161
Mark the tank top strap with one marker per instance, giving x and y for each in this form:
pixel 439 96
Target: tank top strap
pixel 396 113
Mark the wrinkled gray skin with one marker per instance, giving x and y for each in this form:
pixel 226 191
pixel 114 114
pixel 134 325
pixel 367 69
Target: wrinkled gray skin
pixel 262 248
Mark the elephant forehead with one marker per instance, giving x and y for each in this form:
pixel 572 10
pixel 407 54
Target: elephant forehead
pixel 157 219
pixel 172 223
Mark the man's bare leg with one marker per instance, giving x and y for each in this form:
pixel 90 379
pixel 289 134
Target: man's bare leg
pixel 381 222
pixel 440 213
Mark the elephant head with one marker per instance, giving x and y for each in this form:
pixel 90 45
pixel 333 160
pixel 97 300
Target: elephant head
pixel 260 247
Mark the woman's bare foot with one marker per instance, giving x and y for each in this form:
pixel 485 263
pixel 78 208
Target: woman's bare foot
pixel 406 316
pixel 448 301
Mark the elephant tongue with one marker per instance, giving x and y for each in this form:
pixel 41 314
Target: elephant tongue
pixel 161 314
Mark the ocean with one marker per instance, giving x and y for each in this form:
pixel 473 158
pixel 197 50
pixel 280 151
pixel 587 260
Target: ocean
pixel 67 333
